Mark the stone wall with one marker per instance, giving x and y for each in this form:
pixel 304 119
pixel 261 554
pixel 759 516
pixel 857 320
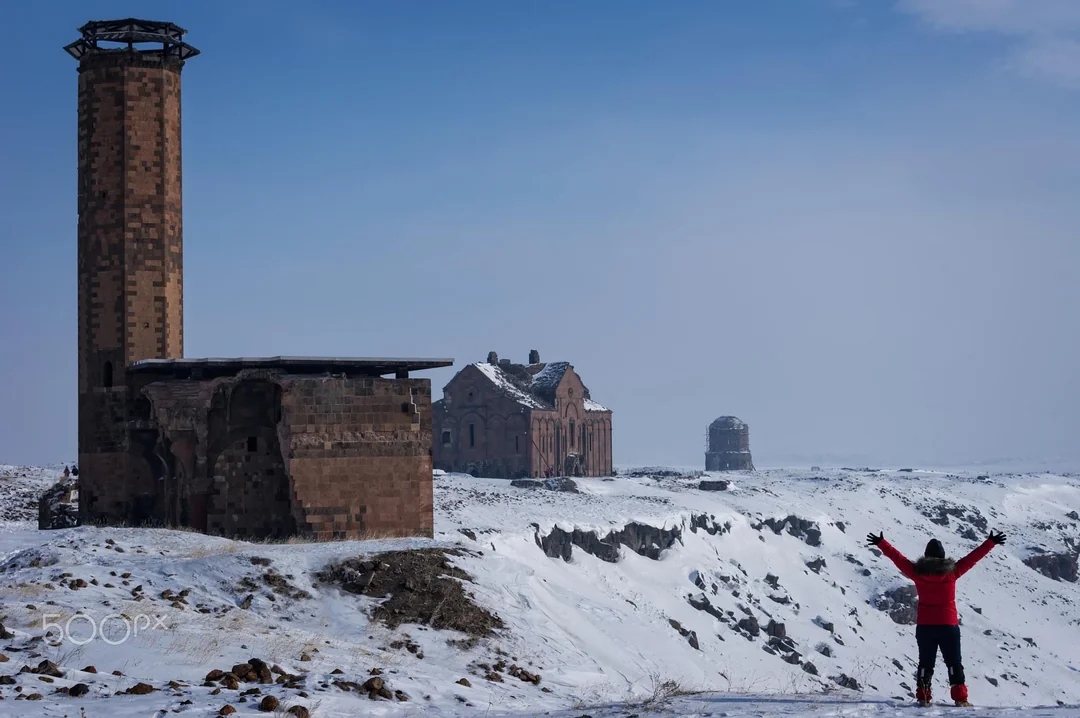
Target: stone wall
pixel 359 455
pixel 265 454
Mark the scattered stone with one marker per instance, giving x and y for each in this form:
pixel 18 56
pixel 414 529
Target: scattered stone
pixel 226 710
pixel 464 682
pixel 750 625
pixel 89 669
pixel 562 484
pixel 717 485
pixel 810 668
pixel 141 689
pixel 48 668
pixel 299 712
pixel 846 681
pixel 816 564
pixel 690 636
pixel 901 603
pixel 268 704
pixel 79 689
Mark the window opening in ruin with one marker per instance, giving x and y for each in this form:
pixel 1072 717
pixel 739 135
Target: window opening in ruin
pixel 446 437
pixel 253 444
pixel 571 434
pixel 517 445
pixel 472 435
pixel 107 377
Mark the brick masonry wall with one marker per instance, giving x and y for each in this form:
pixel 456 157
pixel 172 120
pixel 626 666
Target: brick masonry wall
pixel 359 455
pixel 252 493
pixel 130 281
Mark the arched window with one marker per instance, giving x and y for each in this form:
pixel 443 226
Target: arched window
pixel 107 375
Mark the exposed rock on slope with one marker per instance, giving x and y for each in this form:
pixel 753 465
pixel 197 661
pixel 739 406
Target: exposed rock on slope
pixel 58 507
pixel 1058 566
pixel 642 539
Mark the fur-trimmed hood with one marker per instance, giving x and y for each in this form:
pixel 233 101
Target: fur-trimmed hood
pixel 931 566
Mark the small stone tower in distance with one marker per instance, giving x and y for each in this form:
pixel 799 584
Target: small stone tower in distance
pixel 130 232
pixel 728 446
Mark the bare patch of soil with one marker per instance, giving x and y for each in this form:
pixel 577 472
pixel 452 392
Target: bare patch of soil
pixel 420 586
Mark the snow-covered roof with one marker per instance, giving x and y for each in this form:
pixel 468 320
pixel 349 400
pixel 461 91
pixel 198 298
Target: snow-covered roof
pixel 728 422
pixel 591 405
pixel 505 384
pixel 547 380
pixel 537 394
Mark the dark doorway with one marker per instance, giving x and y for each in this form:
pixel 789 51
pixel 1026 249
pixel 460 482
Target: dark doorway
pixel 196 512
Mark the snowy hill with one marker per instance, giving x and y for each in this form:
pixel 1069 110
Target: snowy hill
pixel 668 590
pixel 20 487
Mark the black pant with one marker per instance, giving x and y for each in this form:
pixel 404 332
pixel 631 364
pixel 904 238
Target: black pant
pixel 947 638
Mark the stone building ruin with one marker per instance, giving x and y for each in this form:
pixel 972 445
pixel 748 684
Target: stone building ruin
pixel 500 419
pixel 255 448
pixel 728 445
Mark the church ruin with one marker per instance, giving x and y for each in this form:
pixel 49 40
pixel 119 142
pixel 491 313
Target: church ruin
pixel 257 448
pixel 728 445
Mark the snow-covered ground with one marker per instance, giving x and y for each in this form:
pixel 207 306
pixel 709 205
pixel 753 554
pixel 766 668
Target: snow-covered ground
pixel 605 637
pixel 20 487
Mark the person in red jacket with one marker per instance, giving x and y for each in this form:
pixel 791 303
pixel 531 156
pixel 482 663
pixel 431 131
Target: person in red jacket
pixel 938 625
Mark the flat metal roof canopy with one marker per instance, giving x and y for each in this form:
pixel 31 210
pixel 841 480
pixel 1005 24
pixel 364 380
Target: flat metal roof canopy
pixel 360 366
pixel 132 31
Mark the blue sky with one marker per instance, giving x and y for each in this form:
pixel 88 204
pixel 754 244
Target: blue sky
pixel 851 223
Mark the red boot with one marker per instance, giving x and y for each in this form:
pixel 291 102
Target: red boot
pixel 924 695
pixel 959 695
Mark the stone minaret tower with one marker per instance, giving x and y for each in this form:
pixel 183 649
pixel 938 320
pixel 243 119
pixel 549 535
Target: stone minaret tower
pixel 130 266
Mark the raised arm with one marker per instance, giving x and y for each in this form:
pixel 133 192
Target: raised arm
pixel 901 561
pixel 968 562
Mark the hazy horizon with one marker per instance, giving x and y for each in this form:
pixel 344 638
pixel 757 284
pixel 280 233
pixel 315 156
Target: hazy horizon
pixel 851 224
